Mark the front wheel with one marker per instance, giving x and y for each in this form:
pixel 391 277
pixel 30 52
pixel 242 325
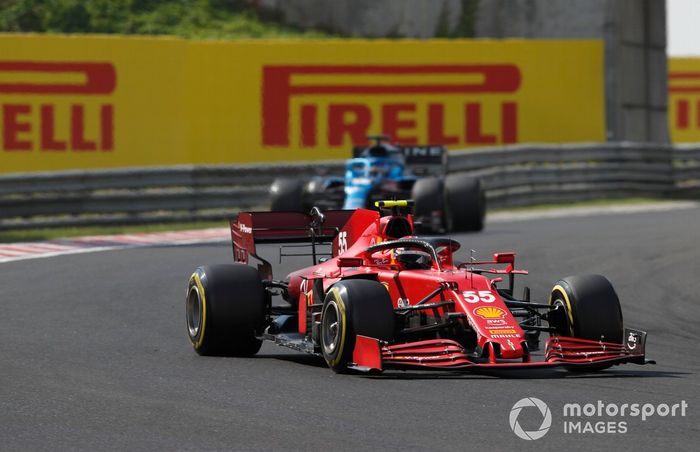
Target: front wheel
pixel 352 308
pixel 591 306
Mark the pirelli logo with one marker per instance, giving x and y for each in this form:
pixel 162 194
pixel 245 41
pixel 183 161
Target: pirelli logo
pixel 61 91
pixel 685 90
pixel 412 103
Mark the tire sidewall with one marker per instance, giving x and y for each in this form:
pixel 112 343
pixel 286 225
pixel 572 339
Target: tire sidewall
pixel 364 308
pixel 464 203
pixel 195 288
pixel 427 193
pixel 592 307
pixel 232 305
pixel 286 194
pixel 338 358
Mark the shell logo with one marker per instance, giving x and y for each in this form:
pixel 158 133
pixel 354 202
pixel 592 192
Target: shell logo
pixel 490 312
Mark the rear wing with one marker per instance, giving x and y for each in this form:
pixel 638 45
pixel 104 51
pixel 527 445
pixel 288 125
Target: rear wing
pixel 422 160
pixel 251 228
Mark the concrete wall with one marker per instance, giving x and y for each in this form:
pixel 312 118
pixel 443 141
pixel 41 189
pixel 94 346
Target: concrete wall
pixel 635 51
pixel 371 18
pixel 634 32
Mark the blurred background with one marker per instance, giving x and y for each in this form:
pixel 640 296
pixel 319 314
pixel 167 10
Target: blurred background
pixel 130 111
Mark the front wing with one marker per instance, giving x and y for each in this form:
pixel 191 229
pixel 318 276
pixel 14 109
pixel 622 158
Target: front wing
pixel 568 352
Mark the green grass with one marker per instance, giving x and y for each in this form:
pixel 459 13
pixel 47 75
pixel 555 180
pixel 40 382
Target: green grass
pixel 34 235
pixel 192 19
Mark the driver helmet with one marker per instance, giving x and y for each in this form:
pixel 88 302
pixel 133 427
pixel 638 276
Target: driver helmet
pixel 413 259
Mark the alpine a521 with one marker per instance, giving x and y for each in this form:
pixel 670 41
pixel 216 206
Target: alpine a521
pixel 387 298
pixel 443 202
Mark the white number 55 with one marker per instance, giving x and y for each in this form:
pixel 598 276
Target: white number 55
pixel 472 296
pixel 342 242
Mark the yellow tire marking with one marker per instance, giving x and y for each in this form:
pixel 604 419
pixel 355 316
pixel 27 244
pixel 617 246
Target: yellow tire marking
pixel 569 312
pixel 341 312
pixel 203 319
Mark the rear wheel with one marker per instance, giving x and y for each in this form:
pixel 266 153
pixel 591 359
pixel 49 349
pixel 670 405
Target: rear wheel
pixel 592 308
pixel 352 308
pixel 427 195
pixel 286 194
pixel 465 203
pixel 225 306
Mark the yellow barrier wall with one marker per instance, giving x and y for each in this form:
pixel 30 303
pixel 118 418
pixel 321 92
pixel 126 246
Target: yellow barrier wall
pixel 684 99
pixel 98 102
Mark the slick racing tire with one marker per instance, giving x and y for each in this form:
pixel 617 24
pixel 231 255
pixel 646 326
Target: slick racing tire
pixel 351 308
pixel 225 305
pixel 286 194
pixel 591 306
pixel 428 199
pixel 465 203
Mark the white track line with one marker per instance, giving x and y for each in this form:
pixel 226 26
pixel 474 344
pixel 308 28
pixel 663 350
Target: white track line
pixel 91 244
pixel 23 251
pixel 564 212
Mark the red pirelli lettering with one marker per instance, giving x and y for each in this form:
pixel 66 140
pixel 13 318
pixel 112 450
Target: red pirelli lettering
pixel 107 128
pixel 100 78
pixel 682 114
pixel 278 89
pixel 509 124
pixel 396 117
pixel 81 79
pixel 472 126
pixel 348 119
pixel 13 125
pixel 436 127
pixel 309 113
pixel 48 139
pixel 684 82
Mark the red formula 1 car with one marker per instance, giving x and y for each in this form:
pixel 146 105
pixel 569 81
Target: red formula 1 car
pixel 385 298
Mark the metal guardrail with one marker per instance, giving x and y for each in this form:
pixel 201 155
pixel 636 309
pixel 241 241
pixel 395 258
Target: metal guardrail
pixel 513 176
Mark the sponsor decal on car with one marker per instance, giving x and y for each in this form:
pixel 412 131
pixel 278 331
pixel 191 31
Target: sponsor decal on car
pixel 503 331
pixel 489 312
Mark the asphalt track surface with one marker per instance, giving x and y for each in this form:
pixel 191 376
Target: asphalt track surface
pixel 94 356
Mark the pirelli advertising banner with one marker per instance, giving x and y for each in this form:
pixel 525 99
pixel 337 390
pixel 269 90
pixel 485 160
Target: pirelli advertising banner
pixel 684 99
pixel 105 102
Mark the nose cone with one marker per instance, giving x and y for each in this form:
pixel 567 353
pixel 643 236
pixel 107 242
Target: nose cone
pixel 511 348
pixel 498 326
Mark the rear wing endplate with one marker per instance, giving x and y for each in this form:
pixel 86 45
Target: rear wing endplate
pixel 251 228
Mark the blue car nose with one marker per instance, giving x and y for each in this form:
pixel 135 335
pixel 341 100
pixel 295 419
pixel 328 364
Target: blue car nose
pixel 356 196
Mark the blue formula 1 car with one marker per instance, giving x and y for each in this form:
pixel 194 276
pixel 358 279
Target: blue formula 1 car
pixel 443 202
